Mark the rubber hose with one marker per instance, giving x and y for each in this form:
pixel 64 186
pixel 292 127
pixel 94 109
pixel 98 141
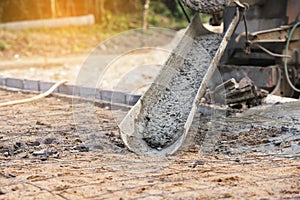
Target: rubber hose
pixel 285 60
pixel 35 98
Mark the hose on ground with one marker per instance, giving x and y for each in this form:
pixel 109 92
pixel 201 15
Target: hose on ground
pixel 35 98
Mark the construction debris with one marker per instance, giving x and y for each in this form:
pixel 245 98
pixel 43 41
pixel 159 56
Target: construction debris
pixel 236 95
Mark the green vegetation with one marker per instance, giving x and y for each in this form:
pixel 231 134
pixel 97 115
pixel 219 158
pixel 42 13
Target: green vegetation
pixel 116 15
pixel 4 45
pixel 112 17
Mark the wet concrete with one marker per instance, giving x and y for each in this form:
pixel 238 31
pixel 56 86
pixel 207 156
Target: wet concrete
pixel 268 129
pixel 208 7
pixel 168 107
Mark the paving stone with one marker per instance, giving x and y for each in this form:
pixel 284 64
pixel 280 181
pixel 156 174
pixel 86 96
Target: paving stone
pixel 87 92
pixel 15 83
pixel 44 86
pixel 131 99
pixel 66 89
pixel 113 96
pixel 2 81
pixel 31 85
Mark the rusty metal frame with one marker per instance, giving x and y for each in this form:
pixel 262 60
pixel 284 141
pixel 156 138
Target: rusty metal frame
pixel 272 35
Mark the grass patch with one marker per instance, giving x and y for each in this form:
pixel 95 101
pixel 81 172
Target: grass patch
pixel 4 45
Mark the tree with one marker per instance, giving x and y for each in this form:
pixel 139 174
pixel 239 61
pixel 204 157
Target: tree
pixel 53 8
pixel 145 14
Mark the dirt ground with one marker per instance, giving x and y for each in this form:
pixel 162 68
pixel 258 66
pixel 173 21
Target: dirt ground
pixel 121 62
pixel 43 155
pixel 59 148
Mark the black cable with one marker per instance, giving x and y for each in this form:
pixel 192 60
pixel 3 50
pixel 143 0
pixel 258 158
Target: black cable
pixel 182 8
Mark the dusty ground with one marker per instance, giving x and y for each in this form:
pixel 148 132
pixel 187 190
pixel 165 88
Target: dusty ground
pixel 59 149
pixel 43 155
pixel 120 62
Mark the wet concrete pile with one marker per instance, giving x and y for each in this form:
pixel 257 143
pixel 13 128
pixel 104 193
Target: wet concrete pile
pixel 267 129
pixel 168 108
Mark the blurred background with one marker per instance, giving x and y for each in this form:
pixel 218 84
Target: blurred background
pixel 110 18
pixel 117 14
pixel 38 42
